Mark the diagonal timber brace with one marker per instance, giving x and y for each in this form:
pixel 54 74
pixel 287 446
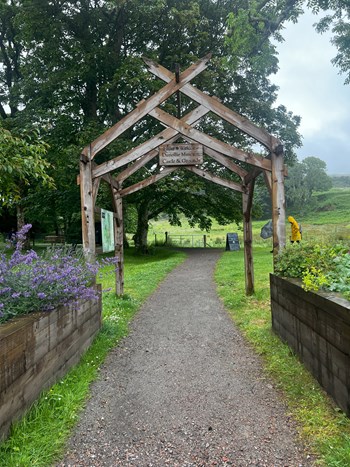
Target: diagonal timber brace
pixel 240 122
pixel 147 146
pixel 146 106
pixel 209 141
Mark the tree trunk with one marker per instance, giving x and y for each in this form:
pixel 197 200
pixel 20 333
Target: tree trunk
pixel 142 228
pixel 125 241
pixel 21 223
pixel 20 216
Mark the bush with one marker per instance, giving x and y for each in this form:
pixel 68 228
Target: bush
pixel 319 266
pixel 31 283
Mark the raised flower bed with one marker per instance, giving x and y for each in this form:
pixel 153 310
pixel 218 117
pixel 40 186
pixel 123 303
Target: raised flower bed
pixel 316 325
pixel 39 348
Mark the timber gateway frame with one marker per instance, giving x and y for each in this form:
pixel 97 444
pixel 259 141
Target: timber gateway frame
pixel 272 167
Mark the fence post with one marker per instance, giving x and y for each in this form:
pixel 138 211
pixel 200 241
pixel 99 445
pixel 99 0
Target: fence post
pixel 205 241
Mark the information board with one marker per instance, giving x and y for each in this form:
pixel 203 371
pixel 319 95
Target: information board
pixel 181 154
pixel 107 227
pixel 232 242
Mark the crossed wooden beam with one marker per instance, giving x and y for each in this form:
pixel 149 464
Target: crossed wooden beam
pixel 225 154
pixel 218 150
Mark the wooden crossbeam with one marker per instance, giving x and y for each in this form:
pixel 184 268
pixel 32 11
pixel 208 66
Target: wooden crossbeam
pixel 214 178
pixel 259 134
pixel 223 160
pixel 255 172
pixel 229 164
pixel 106 178
pixel 252 175
pixel 191 118
pixel 111 181
pixel 141 162
pixel 145 107
pixel 209 141
pixel 147 181
pixel 168 170
pixel 147 146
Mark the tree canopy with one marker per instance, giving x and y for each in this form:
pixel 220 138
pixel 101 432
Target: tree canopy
pixel 22 160
pixel 304 178
pixel 336 20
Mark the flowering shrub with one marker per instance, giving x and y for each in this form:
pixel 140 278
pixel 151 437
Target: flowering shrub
pixel 319 266
pixel 31 283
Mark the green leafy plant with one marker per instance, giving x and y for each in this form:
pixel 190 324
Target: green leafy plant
pixel 31 283
pixel 340 276
pixel 314 279
pixel 319 266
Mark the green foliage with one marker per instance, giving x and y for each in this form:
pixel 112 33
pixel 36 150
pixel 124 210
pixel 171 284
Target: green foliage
pixel 22 161
pixel 83 72
pixel 304 178
pixel 339 278
pixel 337 20
pixel 341 181
pixel 314 279
pixel 319 266
pixel 296 259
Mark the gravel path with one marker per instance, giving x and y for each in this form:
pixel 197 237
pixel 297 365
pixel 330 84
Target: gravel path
pixel 184 389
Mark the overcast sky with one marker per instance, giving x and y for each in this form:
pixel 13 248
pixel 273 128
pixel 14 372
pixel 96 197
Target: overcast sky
pixel 310 86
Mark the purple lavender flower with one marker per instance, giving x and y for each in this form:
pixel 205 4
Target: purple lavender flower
pixel 32 283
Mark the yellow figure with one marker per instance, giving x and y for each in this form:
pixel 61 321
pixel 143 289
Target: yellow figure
pixel 296 235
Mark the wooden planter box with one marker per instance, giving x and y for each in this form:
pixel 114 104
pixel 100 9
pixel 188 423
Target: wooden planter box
pixel 316 325
pixel 38 349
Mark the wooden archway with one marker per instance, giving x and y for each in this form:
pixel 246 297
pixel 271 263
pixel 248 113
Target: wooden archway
pixel 272 167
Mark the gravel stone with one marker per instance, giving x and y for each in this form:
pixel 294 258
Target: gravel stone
pixel 184 389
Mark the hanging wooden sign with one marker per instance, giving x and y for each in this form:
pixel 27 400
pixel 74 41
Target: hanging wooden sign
pixel 181 154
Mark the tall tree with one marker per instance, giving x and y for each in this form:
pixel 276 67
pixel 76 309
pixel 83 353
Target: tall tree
pixel 304 178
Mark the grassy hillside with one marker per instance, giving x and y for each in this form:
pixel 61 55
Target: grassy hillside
pixel 329 217
pixel 331 207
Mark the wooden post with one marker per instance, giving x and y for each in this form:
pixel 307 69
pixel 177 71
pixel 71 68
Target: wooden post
pixel 205 241
pixel 119 245
pixel 247 201
pixel 87 206
pixel 278 200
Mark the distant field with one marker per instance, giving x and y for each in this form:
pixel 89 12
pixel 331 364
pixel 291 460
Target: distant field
pixel 329 222
pixel 331 207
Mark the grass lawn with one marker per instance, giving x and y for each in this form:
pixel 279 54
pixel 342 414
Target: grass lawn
pixel 324 227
